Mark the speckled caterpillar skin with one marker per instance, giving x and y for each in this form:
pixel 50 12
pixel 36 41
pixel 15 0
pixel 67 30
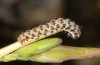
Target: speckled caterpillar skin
pixel 53 27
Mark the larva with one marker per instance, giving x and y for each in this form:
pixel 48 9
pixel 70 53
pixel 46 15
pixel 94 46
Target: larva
pixel 53 27
pixel 42 31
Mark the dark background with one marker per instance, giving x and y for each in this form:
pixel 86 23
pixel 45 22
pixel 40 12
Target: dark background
pixel 17 16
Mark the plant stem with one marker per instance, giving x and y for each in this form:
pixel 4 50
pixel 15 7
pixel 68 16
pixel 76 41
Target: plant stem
pixel 10 48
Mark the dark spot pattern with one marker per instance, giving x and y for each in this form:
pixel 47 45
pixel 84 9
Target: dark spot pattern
pixel 58 26
pixel 62 20
pixel 33 35
pixel 34 30
pixel 52 20
pixel 52 28
pixel 47 26
pixel 45 30
pixel 53 23
pixel 75 33
pixel 64 25
pixel 67 28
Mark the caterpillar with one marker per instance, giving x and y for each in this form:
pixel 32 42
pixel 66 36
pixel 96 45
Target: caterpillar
pixel 50 28
pixel 42 31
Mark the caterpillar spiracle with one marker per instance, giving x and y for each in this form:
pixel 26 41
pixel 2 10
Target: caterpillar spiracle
pixel 50 28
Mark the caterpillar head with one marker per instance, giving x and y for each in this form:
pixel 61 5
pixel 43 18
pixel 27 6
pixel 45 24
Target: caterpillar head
pixel 73 33
pixel 71 27
pixel 74 30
